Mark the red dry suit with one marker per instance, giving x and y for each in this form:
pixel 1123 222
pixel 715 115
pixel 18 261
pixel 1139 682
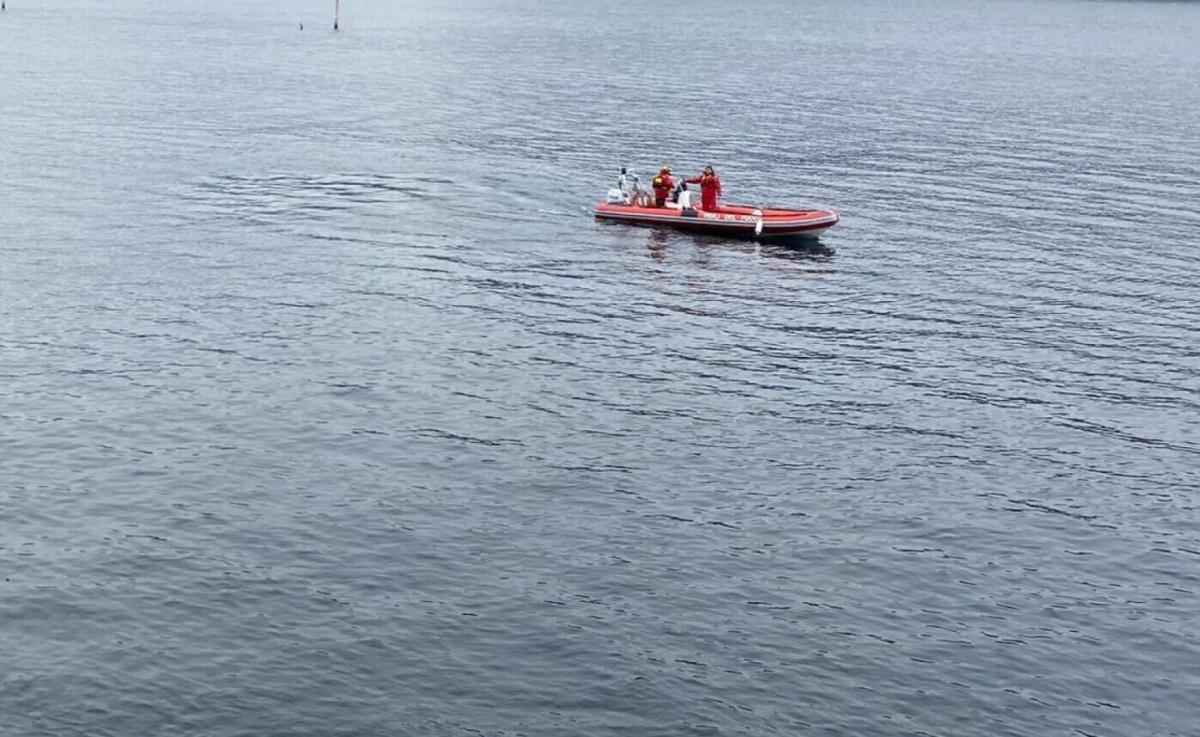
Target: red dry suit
pixel 710 190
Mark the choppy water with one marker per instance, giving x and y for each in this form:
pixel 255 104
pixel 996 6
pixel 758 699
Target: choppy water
pixel 327 410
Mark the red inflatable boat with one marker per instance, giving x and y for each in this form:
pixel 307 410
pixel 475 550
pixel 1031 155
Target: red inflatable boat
pixel 727 219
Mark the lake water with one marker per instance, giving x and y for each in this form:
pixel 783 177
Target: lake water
pixel 327 409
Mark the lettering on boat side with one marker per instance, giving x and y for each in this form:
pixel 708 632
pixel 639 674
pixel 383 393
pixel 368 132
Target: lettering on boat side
pixel 728 217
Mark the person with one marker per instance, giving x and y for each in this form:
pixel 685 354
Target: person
pixel 663 184
pixel 683 200
pixel 627 184
pixel 710 188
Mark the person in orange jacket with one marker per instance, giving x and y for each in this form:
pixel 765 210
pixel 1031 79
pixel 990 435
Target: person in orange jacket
pixel 663 184
pixel 710 188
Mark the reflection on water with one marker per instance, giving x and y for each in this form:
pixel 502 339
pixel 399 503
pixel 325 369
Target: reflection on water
pixel 700 247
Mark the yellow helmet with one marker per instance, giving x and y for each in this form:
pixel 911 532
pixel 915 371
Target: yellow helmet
pixel 665 170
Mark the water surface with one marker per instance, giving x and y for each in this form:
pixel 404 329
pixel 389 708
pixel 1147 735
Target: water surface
pixel 328 410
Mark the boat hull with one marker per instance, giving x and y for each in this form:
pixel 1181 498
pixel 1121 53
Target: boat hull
pixel 729 220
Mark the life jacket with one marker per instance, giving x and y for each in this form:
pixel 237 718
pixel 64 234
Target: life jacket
pixel 662 185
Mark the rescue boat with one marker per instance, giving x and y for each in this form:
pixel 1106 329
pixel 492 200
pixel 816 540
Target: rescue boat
pixel 745 220
pixel 629 203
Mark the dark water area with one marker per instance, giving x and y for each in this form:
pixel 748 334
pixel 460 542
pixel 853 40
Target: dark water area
pixel 327 409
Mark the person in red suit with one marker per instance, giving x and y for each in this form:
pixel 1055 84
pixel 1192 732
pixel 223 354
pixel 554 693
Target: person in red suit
pixel 663 184
pixel 710 188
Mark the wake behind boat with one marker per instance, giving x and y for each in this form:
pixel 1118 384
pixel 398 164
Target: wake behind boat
pixel 629 203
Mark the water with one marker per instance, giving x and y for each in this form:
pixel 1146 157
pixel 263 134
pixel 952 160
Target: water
pixel 328 410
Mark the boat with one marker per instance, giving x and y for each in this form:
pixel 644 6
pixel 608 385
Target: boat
pixel 744 220
pixel 628 203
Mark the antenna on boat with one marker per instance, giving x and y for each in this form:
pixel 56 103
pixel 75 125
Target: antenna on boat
pixel 337 11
